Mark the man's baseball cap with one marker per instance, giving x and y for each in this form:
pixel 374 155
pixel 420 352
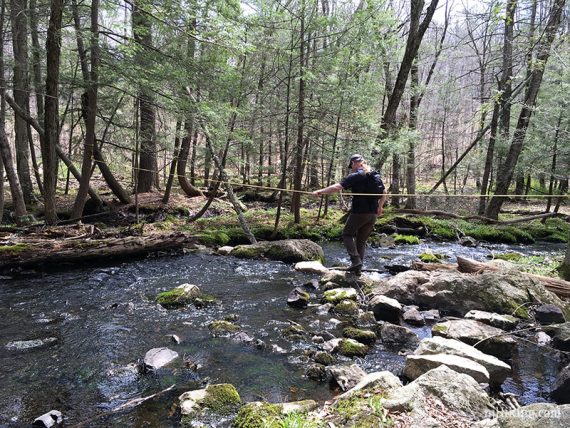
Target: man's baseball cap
pixel 355 158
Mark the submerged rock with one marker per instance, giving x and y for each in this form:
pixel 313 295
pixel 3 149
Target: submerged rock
pixel 157 358
pixel 288 251
pixel 223 328
pixel 490 340
pixel 24 345
pixel 498 370
pixel 316 372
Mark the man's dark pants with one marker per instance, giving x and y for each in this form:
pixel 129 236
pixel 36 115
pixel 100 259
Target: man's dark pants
pixel 356 231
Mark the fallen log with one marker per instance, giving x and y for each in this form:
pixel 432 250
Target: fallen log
pixel 557 286
pixel 53 252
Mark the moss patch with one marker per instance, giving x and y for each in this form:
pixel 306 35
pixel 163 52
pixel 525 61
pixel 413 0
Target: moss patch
pixel 352 348
pixel 346 308
pixel 222 398
pixel 363 409
pixel 257 415
pixel 431 257
pixel 337 295
pixel 366 337
pixel 14 249
pixel 406 239
pixel 222 327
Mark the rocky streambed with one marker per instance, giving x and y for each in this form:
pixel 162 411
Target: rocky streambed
pixel 253 343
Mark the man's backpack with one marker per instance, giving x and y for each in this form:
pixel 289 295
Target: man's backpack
pixel 374 184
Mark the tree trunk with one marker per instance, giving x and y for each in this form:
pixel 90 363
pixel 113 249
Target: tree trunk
pixel 505 173
pixel 18 10
pixel 564 268
pixel 147 167
pixel 51 122
pixel 36 60
pixel 298 172
pixel 413 124
pixel 168 186
pixel 553 165
pixel 415 36
pixel 90 115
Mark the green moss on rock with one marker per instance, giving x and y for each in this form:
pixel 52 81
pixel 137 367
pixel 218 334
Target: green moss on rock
pixel 257 415
pixel 431 257
pixel 222 327
pixel 222 398
pixel 337 295
pixel 346 308
pixel 14 249
pixel 352 348
pixel 324 358
pixel 406 239
pixel 366 337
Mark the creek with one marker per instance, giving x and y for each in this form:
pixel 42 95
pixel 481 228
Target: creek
pixel 104 319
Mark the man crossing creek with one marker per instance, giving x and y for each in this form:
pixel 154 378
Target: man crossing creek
pixel 365 209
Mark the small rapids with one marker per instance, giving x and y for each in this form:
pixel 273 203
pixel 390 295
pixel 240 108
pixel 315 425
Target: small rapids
pixel 101 320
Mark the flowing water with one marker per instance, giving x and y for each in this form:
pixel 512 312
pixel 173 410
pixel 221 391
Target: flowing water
pixel 104 319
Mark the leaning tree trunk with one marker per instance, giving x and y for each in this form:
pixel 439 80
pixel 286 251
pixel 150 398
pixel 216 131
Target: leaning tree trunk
pixel 90 115
pixel 505 173
pixel 18 10
pixel 51 122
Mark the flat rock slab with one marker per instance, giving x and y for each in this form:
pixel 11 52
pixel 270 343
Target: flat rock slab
pixel 498 370
pixel 488 339
pixel 504 322
pixel 417 365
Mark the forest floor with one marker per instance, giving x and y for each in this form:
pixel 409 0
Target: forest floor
pixel 147 225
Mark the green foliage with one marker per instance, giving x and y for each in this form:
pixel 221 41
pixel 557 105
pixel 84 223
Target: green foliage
pixel 406 239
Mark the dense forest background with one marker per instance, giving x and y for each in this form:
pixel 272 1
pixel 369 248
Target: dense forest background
pixel 126 97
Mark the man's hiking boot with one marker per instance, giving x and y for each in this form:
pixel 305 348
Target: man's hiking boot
pixel 356 265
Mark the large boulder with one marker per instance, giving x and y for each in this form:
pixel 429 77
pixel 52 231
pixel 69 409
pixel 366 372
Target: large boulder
pixel 503 292
pixel 561 336
pixel 561 388
pixel 498 370
pixel 537 415
pixel 288 251
pixel 490 340
pixel 417 365
pixel 439 398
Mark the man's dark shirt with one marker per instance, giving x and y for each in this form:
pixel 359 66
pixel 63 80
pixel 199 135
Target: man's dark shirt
pixel 358 183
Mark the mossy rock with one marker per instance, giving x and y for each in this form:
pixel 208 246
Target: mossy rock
pixel 406 239
pixel 337 295
pixel 352 348
pixel 222 328
pixel 324 358
pixel 509 257
pixel 294 332
pixel 366 337
pixel 214 238
pixel 178 297
pixel 431 257
pixel 288 251
pixel 257 415
pixel 222 398
pixel 347 308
